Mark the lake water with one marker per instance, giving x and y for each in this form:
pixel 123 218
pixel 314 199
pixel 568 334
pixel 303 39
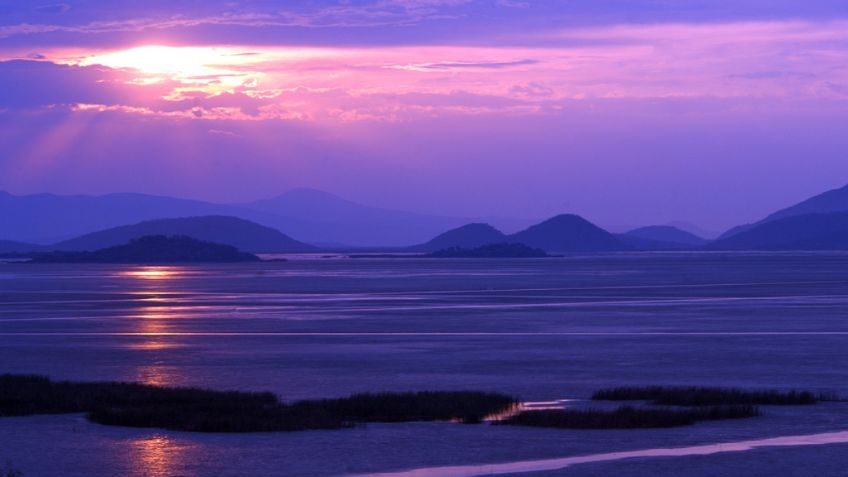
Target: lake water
pixel 541 329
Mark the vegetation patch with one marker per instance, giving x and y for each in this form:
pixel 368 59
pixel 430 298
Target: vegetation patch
pixel 704 396
pixel 628 417
pixel 199 410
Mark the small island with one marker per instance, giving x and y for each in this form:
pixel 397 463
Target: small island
pixel 153 249
pixel 494 250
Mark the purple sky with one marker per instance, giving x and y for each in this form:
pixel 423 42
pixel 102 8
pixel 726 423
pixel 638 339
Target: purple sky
pixel 629 112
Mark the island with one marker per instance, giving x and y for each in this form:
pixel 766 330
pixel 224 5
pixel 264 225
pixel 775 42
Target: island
pixel 152 249
pixel 494 250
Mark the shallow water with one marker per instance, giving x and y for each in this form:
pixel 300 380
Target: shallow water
pixel 540 329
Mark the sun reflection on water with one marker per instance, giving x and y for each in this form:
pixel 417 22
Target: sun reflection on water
pixel 158 456
pixel 152 321
pixel 152 273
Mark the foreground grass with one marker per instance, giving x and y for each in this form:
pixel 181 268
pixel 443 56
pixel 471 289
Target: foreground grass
pixel 703 396
pixel 192 409
pixel 628 417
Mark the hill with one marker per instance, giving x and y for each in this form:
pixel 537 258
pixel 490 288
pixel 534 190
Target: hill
pixel 800 232
pixel 568 233
pixel 638 243
pixel 239 233
pixel 309 215
pixel 153 249
pixel 667 234
pixel 332 219
pixel 467 236
pixel 48 218
pixel 835 200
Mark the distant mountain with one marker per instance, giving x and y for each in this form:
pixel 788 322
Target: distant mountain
pixel 667 234
pixel 11 246
pixel 153 249
pixel 308 215
pixel 492 250
pixel 800 232
pixel 48 217
pixel 638 243
pixel 568 233
pixel 694 229
pixel 336 220
pixel 466 237
pixel 239 233
pixel 835 200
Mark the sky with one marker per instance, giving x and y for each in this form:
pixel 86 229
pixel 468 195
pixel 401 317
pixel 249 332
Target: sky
pixel 628 112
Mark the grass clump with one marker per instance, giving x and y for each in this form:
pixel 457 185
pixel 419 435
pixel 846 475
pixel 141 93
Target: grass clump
pixel 200 410
pixel 466 406
pixel 628 417
pixel 704 396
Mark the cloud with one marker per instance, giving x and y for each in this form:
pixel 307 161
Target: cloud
pixel 461 65
pixel 224 133
pixel 369 14
pixel 513 4
pixel 397 83
pixel 532 89
pixel 54 8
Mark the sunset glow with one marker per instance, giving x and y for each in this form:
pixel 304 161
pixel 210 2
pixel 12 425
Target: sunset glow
pixel 266 98
pixel 319 237
pixel 193 65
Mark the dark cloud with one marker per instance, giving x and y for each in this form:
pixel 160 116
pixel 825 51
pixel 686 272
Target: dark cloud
pixel 50 85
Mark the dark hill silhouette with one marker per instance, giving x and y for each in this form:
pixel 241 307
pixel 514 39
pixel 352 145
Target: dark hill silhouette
pixel 568 233
pixel 800 232
pixel 835 200
pixel 152 249
pixel 467 236
pixel 667 233
pixel 492 250
pixel 239 233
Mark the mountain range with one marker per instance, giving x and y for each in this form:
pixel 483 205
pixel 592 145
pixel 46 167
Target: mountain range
pixel 563 233
pixel 308 215
pixel 282 223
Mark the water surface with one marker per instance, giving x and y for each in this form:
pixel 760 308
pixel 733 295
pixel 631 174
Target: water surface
pixel 541 329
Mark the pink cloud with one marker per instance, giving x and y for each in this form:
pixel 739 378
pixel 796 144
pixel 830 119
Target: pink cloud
pixel 782 60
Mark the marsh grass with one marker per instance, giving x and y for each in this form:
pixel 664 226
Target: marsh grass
pixel 704 396
pixel 628 417
pixel 199 410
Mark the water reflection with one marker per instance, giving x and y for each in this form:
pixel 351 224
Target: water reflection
pixel 158 456
pixel 152 323
pixel 151 273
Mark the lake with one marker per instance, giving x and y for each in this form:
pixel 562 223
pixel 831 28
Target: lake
pixel 540 329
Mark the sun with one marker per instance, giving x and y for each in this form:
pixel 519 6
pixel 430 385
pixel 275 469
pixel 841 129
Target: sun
pixel 187 64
